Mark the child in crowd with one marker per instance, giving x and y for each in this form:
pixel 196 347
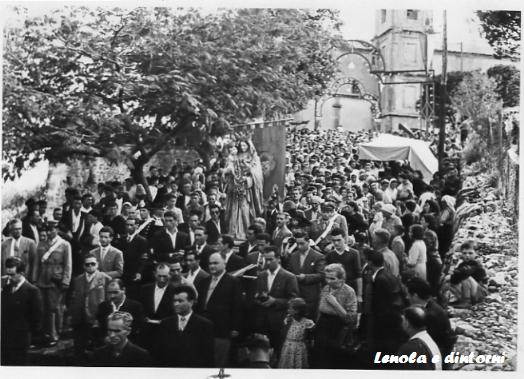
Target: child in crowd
pixel 294 351
pixel 469 278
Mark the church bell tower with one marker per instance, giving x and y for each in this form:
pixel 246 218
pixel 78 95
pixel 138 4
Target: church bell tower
pixel 401 37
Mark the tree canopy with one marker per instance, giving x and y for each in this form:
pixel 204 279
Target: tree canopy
pixel 126 84
pixel 502 30
pixel 508 83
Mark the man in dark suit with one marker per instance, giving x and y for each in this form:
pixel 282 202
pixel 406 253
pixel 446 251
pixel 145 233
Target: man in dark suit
pixel 30 225
pixel 114 220
pixel 156 298
pixel 189 227
pixel 275 287
pixel 220 300
pixel 437 320
pixel 308 267
pixel 216 226
pixel 119 351
pixel 186 339
pixel 201 248
pixel 250 245
pixel 135 250
pixel 118 301
pixel 195 274
pixel 184 198
pixel 74 228
pixel 21 313
pixel 225 247
pixel 420 342
pixel 270 215
pixel 170 241
pixel 386 304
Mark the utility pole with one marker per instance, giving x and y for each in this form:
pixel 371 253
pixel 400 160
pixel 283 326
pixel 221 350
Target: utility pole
pixel 443 94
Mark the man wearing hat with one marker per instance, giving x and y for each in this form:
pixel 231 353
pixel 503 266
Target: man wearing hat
pixel 384 185
pixel 321 228
pixel 390 218
pixel 53 269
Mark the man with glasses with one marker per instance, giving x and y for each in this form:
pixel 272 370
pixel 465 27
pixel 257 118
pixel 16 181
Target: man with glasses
pixel 88 293
pixel 119 351
pixel 216 226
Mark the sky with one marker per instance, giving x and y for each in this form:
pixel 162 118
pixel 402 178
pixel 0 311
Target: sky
pixel 358 16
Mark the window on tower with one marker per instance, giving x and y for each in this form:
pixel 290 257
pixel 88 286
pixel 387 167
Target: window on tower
pixel 412 14
pixel 383 16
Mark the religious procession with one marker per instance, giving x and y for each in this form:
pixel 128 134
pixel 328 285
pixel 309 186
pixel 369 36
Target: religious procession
pixel 253 193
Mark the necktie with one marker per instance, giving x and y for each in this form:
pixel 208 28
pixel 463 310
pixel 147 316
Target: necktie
pixel 182 324
pixel 16 247
pixel 212 286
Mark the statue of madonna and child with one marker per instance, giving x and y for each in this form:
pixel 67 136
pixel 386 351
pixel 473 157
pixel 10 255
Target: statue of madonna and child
pixel 244 185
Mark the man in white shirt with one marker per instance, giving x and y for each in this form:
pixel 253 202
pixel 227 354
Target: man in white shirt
pixel 195 273
pixel 19 246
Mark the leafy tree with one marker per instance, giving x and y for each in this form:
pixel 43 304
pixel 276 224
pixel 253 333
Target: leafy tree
pixel 502 30
pixel 85 82
pixel 453 80
pixel 508 83
pixel 476 98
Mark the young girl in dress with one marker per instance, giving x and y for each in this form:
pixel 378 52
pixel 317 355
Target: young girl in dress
pixel 294 351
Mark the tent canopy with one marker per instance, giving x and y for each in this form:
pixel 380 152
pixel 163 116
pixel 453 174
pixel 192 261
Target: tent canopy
pixel 388 147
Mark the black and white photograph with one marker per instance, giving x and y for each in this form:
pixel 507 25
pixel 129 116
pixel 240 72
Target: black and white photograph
pixel 231 188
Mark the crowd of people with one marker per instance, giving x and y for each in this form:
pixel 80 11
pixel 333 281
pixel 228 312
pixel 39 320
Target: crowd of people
pixel 352 261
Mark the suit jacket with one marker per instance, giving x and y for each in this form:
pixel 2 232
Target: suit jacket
pixel 192 347
pixel 224 307
pixel 213 234
pixel 163 245
pixel 235 263
pixel 243 249
pixel 202 274
pixel 180 202
pixel 131 356
pixel 26 251
pixel 86 297
pixel 22 313
pixel 165 307
pixel 439 327
pixel 284 288
pixel 279 235
pixel 271 220
pixel 313 269
pixel 66 225
pixel 131 306
pixel 113 263
pixel 308 213
pixel 57 269
pixel 132 255
pixel 27 231
pixel 386 296
pixel 204 256
pixel 420 347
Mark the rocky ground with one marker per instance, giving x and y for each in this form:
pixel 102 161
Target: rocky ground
pixel 491 326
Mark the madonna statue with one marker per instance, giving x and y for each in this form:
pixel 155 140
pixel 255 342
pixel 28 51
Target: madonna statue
pixel 244 188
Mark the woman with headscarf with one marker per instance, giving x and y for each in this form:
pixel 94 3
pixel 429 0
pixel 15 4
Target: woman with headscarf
pixel 434 262
pixel 446 220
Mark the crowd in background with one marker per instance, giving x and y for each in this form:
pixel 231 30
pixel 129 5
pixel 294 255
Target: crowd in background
pixel 352 261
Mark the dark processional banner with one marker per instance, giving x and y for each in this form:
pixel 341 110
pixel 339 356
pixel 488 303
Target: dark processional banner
pixel 270 142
